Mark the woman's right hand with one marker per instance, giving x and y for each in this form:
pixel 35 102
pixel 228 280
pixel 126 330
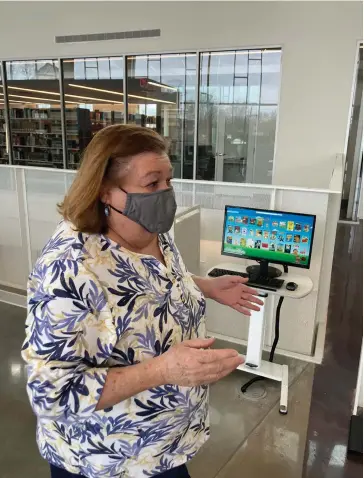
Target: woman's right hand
pixel 189 364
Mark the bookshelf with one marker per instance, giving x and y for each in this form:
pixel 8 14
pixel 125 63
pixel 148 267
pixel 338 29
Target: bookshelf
pixel 4 157
pixel 37 135
pixel 89 123
pixel 78 134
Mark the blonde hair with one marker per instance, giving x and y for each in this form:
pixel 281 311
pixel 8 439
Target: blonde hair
pixel 104 160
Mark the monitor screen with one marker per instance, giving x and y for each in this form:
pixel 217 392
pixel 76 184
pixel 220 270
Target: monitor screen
pixel 275 236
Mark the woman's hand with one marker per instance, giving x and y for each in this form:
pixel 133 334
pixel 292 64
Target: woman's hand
pixel 189 364
pixel 231 291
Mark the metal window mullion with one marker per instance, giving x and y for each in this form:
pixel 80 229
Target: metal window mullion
pixel 63 115
pixel 7 112
pixel 125 88
pixel 197 107
pixel 258 116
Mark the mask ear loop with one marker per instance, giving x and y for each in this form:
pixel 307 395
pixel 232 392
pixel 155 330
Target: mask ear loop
pixel 109 206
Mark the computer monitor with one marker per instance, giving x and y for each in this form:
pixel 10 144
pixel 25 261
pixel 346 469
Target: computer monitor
pixel 266 236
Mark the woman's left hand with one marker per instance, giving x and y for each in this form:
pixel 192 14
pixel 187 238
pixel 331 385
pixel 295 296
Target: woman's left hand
pixel 232 291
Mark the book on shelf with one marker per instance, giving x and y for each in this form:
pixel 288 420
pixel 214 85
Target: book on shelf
pixel 40 143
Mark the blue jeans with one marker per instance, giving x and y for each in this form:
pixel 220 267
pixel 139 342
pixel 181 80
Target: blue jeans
pixel 179 472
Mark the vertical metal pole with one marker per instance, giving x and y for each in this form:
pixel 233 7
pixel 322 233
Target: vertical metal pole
pixel 63 115
pixel 9 141
pixel 125 88
pixel 183 119
pixel 197 106
pixel 258 115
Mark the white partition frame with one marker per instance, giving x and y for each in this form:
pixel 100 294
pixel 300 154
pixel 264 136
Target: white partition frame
pixel 203 202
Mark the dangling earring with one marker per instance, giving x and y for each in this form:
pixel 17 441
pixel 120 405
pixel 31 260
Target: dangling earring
pixel 107 210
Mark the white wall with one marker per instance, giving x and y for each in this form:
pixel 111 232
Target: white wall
pixel 319 41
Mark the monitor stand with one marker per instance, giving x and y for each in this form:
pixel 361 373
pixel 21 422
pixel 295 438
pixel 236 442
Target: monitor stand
pixel 263 270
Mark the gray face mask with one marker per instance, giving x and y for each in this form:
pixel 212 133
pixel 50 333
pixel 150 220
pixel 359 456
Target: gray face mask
pixel 153 211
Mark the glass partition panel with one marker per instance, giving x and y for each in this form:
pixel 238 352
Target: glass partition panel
pixel 35 112
pixel 44 190
pixel 237 115
pixel 14 269
pixel 94 97
pixel 4 139
pixel 161 96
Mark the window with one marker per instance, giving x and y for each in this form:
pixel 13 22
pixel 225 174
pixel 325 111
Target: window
pixel 4 139
pixel 237 115
pixel 161 96
pixel 94 97
pixel 35 112
pixel 228 136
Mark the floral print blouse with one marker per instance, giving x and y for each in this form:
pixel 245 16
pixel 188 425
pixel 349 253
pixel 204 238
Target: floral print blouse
pixel 93 305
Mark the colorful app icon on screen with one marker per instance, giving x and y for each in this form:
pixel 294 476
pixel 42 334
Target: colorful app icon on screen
pixel 281 238
pixel 295 251
pixel 280 248
pixel 250 243
pixel 275 223
pixel 245 220
pixel 239 220
pixel 251 232
pixel 231 219
pixel 273 235
pixel 229 240
pixel 243 242
pixel 237 230
pixel 289 237
pixel 252 221
pixel 259 233
pixel 290 226
pixel 287 248
pixel 297 238
pixel 258 244
pixel 244 231
pixel 272 247
pixel 266 234
pixel 306 228
pixel 265 245
pixel 260 221
pixel 282 224
pixel 298 226
pixel 304 239
pixel 230 229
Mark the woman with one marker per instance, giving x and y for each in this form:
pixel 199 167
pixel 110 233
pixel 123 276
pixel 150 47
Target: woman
pixel 118 362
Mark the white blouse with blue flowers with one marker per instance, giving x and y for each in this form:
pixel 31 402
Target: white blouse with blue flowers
pixel 93 305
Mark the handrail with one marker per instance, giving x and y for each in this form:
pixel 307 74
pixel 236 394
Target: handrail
pixel 331 190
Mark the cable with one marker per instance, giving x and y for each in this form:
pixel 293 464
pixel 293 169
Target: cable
pixel 276 335
pixel 245 387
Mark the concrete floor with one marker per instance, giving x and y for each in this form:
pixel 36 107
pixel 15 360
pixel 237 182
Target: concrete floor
pixel 248 438
pixel 335 379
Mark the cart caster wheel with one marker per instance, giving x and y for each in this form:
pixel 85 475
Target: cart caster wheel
pixel 283 410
